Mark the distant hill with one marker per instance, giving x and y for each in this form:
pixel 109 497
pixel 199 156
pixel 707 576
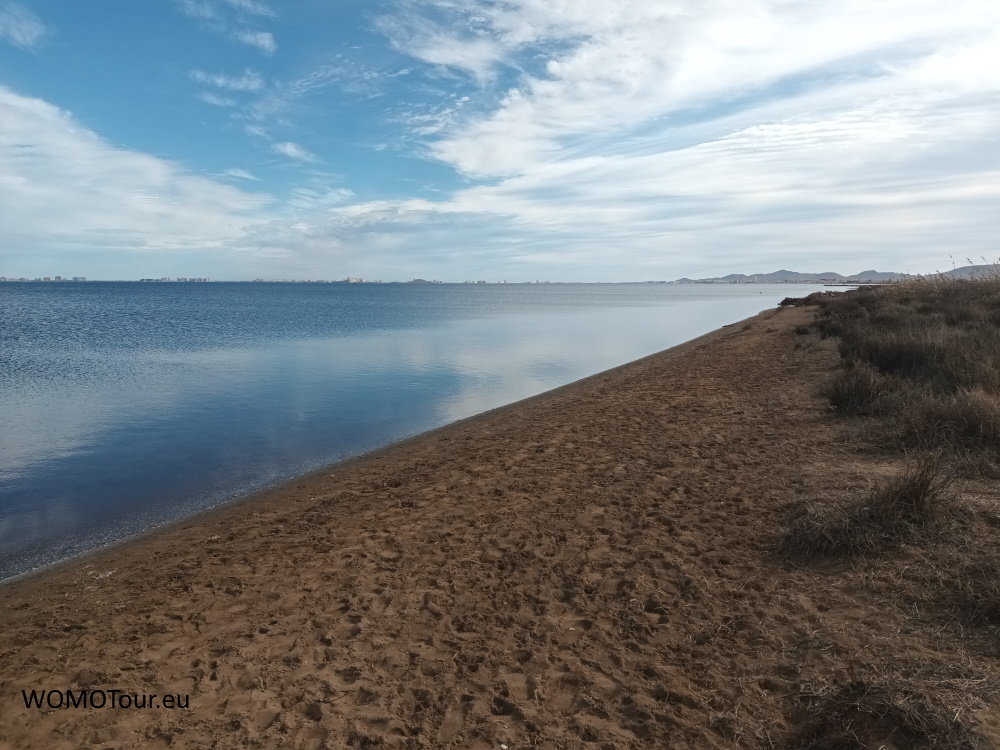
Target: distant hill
pixel 974 272
pixel 782 277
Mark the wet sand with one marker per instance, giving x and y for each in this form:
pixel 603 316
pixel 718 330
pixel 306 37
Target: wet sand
pixel 590 568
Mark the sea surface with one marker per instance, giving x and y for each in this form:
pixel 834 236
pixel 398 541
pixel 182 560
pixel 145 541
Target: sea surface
pixel 124 406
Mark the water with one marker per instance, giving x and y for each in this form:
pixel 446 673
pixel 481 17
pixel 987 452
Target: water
pixel 124 406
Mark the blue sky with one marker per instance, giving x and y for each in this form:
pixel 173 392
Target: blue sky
pixel 528 139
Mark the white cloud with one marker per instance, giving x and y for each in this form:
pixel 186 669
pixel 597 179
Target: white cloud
pixel 215 100
pixel 230 17
pixel 249 81
pixel 65 189
pixel 208 10
pixel 898 186
pixel 293 151
pixel 262 40
pixel 608 67
pixel 20 26
pixel 241 174
pixel 439 119
pixel 465 50
pixel 310 199
pixel 199 9
pixel 281 97
pixel 613 139
pixel 252 7
pixel 659 140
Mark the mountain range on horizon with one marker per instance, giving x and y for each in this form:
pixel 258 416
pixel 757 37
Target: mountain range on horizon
pixel 783 276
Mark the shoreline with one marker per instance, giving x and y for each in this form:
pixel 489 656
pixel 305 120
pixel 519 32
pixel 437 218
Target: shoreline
pixel 594 566
pixel 169 461
pixel 234 504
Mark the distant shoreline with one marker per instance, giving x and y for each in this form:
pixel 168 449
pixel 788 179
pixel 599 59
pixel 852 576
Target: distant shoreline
pixel 793 282
pixel 775 277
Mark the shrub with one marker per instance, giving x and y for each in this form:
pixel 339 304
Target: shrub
pixel 858 389
pixel 967 421
pixel 896 510
pixel 919 496
pixel 923 356
pixel 875 713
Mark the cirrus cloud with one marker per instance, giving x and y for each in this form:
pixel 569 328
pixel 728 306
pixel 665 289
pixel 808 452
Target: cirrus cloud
pixel 262 40
pixel 230 18
pixel 249 81
pixel 20 26
pixel 293 151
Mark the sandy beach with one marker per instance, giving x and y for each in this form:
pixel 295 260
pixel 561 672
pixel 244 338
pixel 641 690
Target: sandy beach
pixel 594 567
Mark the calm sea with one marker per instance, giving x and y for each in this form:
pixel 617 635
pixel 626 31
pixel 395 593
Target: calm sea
pixel 124 406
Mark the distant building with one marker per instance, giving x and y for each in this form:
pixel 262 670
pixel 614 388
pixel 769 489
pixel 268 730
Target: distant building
pixel 79 278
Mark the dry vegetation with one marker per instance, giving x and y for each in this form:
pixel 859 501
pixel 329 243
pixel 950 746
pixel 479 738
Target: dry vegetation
pixel 919 379
pixel 899 712
pixel 899 509
pixel 925 357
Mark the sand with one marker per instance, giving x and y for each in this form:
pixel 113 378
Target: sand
pixel 590 568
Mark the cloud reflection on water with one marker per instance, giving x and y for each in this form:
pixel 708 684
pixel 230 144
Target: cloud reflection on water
pixel 177 432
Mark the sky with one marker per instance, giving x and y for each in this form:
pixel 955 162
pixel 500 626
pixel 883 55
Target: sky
pixel 567 140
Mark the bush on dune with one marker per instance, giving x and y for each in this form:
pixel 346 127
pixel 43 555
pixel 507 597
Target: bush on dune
pixel 858 389
pixel 920 372
pixel 896 510
pixel 925 357
pixel 965 422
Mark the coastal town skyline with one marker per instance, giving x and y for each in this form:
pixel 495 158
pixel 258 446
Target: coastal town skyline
pixel 484 140
pixel 792 278
pixel 985 270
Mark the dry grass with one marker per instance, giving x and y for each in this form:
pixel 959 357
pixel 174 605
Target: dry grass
pixel 957 581
pixel 964 422
pixel 895 511
pixel 873 712
pixel 974 594
pixel 859 389
pixel 924 357
pixel 919 377
pixel 918 497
